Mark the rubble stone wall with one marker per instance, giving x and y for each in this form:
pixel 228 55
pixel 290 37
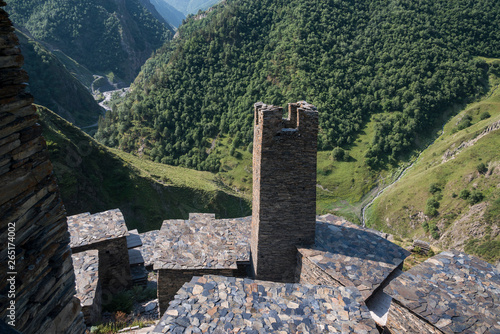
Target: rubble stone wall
pixel 402 320
pixel 284 188
pixel 34 239
pixel 309 273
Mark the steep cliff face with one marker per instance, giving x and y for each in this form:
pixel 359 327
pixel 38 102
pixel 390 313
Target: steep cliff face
pixel 105 36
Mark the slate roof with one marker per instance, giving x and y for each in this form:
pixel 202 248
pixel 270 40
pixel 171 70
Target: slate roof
pixel 86 266
pixel 202 243
pixel 215 304
pixel 86 229
pixel 455 292
pixel 353 255
pixel 148 246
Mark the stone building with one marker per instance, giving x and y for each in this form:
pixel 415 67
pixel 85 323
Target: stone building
pixel 284 188
pixel 350 278
pixel 198 246
pixel 346 254
pixel 107 233
pixel 451 292
pixel 37 281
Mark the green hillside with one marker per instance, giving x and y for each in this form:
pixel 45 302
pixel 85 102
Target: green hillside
pixel 105 36
pixel 451 196
pixel 383 77
pixel 93 178
pixel 54 86
pixel 398 65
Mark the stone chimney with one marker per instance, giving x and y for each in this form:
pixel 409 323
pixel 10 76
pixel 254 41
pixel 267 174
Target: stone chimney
pixel 284 188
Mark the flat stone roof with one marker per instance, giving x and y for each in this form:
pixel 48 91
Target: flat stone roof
pixel 86 229
pixel 86 266
pixel 148 246
pixel 202 243
pixel 455 292
pixel 353 255
pixel 216 304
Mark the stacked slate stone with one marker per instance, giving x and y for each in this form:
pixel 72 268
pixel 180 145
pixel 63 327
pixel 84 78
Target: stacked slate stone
pixel 349 255
pixel 215 304
pixel 198 246
pixel 106 232
pixel 88 287
pixel 137 270
pixel 147 249
pixel 32 218
pixel 202 243
pixel 450 293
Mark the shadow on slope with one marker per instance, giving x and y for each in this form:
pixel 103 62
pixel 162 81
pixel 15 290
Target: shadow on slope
pixel 92 178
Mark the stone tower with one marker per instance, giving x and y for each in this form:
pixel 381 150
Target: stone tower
pixel 284 188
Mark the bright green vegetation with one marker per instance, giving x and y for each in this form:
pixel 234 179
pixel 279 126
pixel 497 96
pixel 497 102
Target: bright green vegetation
pixel 52 85
pixel 102 35
pixel 456 189
pixel 93 178
pixel 396 66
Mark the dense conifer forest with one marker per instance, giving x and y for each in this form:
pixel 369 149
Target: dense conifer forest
pixel 401 62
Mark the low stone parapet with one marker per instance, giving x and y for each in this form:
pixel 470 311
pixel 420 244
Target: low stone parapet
pixel 88 286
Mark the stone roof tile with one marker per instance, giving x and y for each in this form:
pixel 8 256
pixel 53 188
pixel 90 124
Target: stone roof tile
pixel 215 304
pixel 353 255
pixel 456 292
pixel 86 229
pixel 202 243
pixel 86 266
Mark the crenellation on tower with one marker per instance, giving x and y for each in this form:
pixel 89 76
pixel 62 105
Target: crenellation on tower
pixel 284 187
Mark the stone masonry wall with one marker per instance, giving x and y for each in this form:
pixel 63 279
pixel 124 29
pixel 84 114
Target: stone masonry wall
pixel 114 266
pixel 34 240
pixel 402 320
pixel 284 188
pixel 170 281
pixel 309 273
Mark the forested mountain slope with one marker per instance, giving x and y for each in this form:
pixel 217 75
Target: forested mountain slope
pixel 53 86
pixel 94 178
pixel 398 65
pixel 451 197
pixel 103 35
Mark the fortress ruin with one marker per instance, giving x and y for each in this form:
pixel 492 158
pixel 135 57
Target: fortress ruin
pixel 283 270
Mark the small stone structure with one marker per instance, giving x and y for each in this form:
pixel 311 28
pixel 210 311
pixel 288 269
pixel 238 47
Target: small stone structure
pixel 284 188
pixel 214 304
pixel 198 246
pixel 346 254
pixel 88 286
pixel 106 232
pixel 449 293
pixel 35 256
